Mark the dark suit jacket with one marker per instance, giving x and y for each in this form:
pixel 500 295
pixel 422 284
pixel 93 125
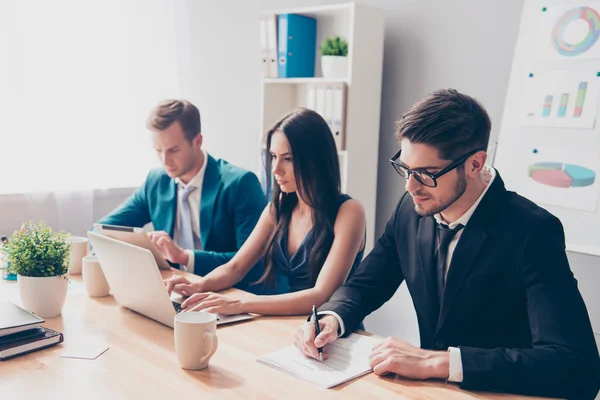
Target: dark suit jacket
pixel 511 303
pixel 232 202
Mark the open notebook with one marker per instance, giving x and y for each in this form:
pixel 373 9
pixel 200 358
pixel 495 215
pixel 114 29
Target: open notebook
pixel 348 359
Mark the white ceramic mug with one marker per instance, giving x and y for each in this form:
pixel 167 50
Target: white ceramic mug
pixel 93 277
pixel 79 249
pixel 195 338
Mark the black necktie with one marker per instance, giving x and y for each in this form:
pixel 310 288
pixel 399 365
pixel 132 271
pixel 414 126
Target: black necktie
pixel 445 235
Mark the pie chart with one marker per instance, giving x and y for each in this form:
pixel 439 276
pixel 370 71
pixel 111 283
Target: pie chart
pixel 561 175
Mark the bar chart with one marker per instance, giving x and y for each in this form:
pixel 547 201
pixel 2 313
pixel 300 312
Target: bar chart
pixel 560 98
pixel 564 103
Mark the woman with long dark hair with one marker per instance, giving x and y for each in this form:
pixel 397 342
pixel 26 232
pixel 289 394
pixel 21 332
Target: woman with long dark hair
pixel 310 235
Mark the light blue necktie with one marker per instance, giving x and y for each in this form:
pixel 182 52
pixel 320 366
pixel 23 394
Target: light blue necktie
pixel 185 237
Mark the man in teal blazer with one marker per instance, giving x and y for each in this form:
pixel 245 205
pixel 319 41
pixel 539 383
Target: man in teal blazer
pixel 203 209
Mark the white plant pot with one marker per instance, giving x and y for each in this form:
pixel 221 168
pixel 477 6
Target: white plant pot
pixel 334 66
pixel 44 296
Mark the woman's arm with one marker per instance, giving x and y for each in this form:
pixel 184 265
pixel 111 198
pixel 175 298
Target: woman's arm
pixel 248 255
pixel 349 231
pixel 230 273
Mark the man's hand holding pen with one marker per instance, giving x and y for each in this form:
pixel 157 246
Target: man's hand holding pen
pixel 308 341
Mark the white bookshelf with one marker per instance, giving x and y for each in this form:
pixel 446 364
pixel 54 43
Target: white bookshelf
pixel 363 28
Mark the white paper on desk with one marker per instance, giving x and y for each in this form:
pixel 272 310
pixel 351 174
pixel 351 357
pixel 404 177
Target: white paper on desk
pixel 348 359
pixel 87 351
pixel 75 288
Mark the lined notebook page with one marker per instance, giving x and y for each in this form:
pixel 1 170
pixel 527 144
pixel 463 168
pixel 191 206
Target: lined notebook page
pixel 348 359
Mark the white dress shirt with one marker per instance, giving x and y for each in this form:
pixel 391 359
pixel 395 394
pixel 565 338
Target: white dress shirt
pixel 194 200
pixel 488 174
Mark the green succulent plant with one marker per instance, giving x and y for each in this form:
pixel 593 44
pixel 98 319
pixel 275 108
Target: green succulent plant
pixel 35 250
pixel 334 47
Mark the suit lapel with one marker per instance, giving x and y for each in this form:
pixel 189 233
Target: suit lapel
pixel 465 252
pixel 210 190
pixel 425 244
pixel 469 245
pixel 170 207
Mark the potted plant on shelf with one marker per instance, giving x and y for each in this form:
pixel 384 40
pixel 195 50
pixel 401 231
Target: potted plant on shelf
pixel 40 258
pixel 334 57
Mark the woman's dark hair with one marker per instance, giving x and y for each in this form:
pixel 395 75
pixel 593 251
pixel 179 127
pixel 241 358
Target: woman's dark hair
pixel 317 174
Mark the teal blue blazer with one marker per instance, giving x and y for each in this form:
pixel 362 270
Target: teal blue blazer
pixel 232 202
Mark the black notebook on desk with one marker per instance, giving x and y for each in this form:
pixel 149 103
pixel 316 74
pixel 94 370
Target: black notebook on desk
pixel 27 341
pixel 15 319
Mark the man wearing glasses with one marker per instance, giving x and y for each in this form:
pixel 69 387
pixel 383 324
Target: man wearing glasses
pixel 497 304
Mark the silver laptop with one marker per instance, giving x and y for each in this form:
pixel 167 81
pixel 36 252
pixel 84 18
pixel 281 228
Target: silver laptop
pixel 135 236
pixel 136 283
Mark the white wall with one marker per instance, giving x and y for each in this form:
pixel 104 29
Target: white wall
pixel 223 75
pixel 216 41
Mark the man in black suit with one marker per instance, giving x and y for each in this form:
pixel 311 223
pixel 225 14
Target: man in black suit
pixel 497 304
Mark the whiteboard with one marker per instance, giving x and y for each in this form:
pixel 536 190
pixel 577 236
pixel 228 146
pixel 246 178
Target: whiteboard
pixel 548 147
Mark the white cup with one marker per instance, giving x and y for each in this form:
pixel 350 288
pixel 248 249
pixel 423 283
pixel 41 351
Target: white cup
pixel 79 249
pixel 93 277
pixel 195 338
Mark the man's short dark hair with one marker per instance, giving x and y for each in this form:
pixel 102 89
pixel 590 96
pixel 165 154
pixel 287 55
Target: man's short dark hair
pixel 452 122
pixel 169 111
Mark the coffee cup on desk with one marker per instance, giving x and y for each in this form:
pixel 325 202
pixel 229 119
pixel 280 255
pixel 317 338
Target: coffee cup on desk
pixel 93 277
pixel 195 339
pixel 79 249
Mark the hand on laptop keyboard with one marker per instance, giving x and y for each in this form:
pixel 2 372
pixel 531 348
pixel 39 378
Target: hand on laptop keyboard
pixel 177 306
pixel 178 309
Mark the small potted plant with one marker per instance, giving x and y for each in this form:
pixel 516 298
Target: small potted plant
pixel 334 57
pixel 40 258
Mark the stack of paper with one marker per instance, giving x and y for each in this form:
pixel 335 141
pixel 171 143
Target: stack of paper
pixel 348 358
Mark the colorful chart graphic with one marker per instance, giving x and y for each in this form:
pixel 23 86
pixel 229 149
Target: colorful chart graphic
pixel 561 175
pixel 562 107
pixel 580 99
pixel 547 106
pixel 564 48
pixel 564 103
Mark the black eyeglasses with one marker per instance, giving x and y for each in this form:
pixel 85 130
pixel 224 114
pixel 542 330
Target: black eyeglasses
pixel 426 178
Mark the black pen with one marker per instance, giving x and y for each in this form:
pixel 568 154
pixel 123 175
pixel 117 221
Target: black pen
pixel 317 331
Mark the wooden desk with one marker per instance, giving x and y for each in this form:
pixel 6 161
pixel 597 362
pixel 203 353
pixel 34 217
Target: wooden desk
pixel 141 362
